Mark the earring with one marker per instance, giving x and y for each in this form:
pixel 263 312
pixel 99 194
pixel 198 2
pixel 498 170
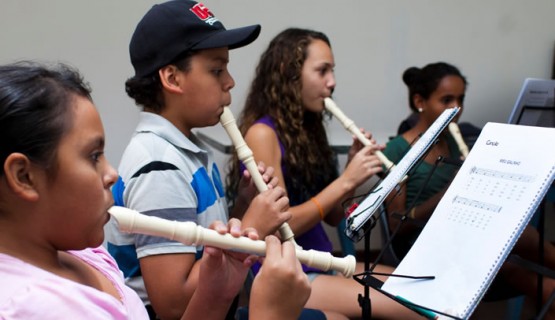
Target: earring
pixel 420 110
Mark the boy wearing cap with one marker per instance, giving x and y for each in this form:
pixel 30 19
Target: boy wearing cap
pixel 179 51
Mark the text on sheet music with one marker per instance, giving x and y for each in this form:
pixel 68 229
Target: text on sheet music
pixel 510 162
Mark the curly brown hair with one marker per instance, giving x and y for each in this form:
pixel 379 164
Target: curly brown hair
pixel 276 92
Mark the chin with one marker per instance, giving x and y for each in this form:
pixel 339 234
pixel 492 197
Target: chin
pixel 213 122
pixel 318 109
pixel 97 242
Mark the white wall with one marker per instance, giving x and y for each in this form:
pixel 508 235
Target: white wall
pixel 496 44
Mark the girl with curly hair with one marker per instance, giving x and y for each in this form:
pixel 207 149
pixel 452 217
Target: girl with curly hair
pixel 283 125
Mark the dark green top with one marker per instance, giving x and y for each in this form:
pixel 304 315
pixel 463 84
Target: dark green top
pixel 395 149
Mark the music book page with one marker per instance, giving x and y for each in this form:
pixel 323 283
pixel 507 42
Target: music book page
pixel 480 217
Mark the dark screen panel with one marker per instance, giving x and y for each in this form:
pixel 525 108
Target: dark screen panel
pixel 539 117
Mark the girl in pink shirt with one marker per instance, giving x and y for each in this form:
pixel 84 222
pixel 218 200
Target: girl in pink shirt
pixel 54 196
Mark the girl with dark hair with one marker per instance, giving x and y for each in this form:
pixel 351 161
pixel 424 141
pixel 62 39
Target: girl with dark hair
pixel 54 195
pixel 282 123
pixel 432 89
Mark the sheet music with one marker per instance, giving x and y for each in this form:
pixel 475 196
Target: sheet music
pixel 480 217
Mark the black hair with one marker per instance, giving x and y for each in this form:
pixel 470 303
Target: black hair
pixel 425 81
pixel 35 100
pixel 147 90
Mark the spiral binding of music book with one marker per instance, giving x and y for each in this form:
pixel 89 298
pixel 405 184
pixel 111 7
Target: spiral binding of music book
pixel 362 218
pixel 479 219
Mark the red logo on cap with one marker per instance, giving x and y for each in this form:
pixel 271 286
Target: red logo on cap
pixel 203 13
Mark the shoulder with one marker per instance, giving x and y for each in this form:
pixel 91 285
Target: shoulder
pixel 147 144
pixel 395 143
pixel 264 142
pixel 100 258
pixel 29 292
pixel 143 148
pixel 262 137
pixel 148 153
pixel 396 148
pixel 261 131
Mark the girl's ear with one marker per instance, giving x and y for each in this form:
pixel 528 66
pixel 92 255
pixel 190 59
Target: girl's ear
pixel 170 77
pixel 419 102
pixel 21 176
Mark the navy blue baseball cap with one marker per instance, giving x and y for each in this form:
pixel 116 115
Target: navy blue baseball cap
pixel 172 28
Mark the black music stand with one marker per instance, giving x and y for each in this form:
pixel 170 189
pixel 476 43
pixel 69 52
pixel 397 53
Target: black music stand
pixel 362 222
pixel 367 280
pixel 535 106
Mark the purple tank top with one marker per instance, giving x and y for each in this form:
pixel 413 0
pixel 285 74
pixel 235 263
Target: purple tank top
pixel 316 237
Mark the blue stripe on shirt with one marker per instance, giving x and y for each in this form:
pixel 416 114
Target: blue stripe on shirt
pixel 217 180
pixel 126 257
pixel 204 189
pixel 117 192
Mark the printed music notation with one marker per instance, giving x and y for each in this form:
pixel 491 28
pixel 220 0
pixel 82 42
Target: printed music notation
pixel 501 175
pixel 479 219
pixel 472 213
pixel 497 184
pixel 477 204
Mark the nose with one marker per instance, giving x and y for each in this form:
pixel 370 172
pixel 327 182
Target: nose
pixel 228 82
pixel 330 81
pixel 110 176
pixel 459 105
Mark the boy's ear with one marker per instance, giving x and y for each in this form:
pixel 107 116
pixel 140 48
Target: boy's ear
pixel 20 177
pixel 170 77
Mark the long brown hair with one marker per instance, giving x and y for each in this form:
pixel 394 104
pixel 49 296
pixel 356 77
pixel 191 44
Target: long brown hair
pixel 276 92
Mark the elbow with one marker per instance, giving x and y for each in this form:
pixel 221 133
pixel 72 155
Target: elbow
pixel 168 313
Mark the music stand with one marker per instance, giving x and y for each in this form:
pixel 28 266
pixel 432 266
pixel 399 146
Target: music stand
pixel 361 219
pixel 535 106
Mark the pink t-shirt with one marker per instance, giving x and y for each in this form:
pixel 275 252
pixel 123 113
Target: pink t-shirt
pixel 28 292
